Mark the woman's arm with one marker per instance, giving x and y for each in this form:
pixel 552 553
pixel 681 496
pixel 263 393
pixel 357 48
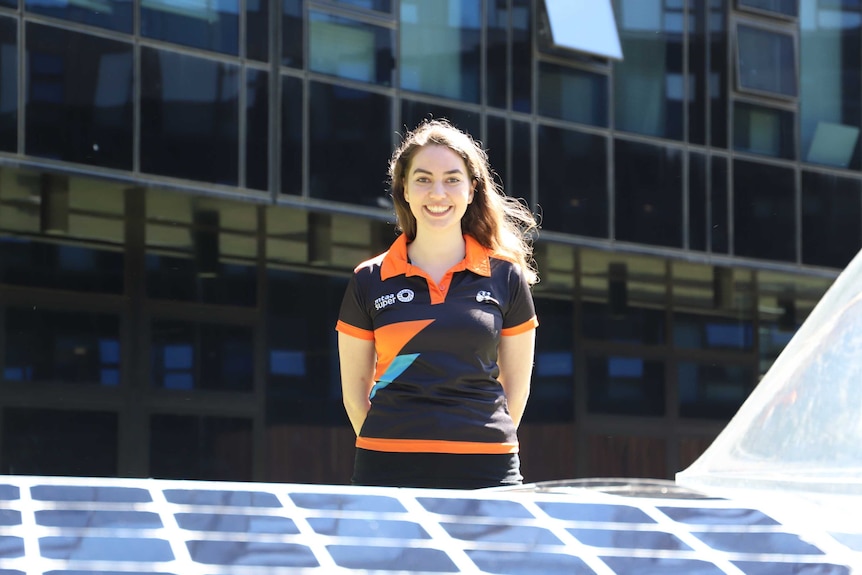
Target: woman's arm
pixel 357 359
pixel 515 358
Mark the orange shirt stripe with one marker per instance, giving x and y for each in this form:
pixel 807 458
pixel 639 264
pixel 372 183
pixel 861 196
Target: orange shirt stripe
pixel 348 329
pixel 532 323
pixel 433 446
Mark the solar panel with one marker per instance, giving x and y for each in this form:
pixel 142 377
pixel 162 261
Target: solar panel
pixel 86 526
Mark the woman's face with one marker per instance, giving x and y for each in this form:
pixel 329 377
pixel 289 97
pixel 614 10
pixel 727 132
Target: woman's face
pixel 438 189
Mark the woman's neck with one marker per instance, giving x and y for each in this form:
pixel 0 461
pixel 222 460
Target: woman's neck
pixel 436 255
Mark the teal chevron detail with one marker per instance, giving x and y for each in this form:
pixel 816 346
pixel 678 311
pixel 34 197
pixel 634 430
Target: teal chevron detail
pixel 396 368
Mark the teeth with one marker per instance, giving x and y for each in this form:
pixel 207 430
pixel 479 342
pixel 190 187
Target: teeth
pixel 437 209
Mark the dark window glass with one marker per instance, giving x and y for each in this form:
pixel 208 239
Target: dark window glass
pixel 762 130
pixel 195 447
pixel 649 83
pixel 625 386
pixel 718 82
pixel 379 5
pixel 831 219
pixel 440 47
pixel 718 221
pixel 209 26
pixel 574 95
pixel 9 81
pixel 303 381
pixel 648 206
pixel 697 197
pixel 257 129
pixel 413 113
pixel 79 97
pixel 636 325
pixel 204 278
pixel 25 262
pixel 764 222
pixel 350 49
pixel 830 46
pixel 698 70
pixel 521 183
pixel 62 346
pixel 197 356
pixel 292 39
pixel 552 394
pixel 497 68
pixel 766 61
pixel 54 442
pixel 711 391
pixel 496 143
pixel 573 195
pixel 522 56
pixel 291 135
pixel 257 30
pixel 700 332
pixel 784 7
pixel 10 3
pixel 111 14
pixel 350 145
pixel 189 117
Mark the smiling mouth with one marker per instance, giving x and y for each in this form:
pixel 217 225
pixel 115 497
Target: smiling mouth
pixel 438 210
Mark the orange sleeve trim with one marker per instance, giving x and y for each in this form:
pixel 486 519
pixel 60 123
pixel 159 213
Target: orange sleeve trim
pixel 348 329
pixel 531 323
pixel 434 446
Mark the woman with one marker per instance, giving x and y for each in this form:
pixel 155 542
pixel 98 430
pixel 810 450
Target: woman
pixel 437 335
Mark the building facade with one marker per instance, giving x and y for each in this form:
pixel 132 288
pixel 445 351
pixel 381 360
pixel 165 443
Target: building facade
pixel 185 188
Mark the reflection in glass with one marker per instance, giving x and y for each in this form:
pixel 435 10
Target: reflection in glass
pixel 236 523
pixel 350 49
pixel 26 262
pixel 763 130
pixel 503 19
pixel 54 442
pixel 497 54
pixel 712 391
pixel 766 61
pixel 257 30
pixel 195 356
pixel 291 135
pixel 534 562
pixel 61 346
pixel 414 112
pixel 648 205
pixel 78 548
pixel 698 70
pixel 831 219
pixel 257 129
pixel 574 95
pixel 440 47
pixel 783 7
pixel 379 5
pixel 112 14
pixel 573 195
pixel 764 211
pixel 79 97
pixel 292 38
pixel 649 83
pixel 9 83
pixel 268 554
pixel 522 58
pixel 196 23
pixel 552 395
pixel 708 332
pixel 625 386
pixel 189 117
pixel 350 145
pixel 718 76
pixel 199 447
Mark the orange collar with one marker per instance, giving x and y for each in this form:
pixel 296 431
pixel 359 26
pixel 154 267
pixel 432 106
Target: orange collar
pixel 477 259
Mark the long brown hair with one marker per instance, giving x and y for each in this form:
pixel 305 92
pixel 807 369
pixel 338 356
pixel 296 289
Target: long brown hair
pixel 499 222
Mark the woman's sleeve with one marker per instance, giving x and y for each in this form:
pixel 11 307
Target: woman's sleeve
pixel 354 318
pixel 520 313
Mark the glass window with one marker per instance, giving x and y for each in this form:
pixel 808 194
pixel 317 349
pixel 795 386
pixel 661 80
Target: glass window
pixel 55 442
pixel 698 70
pixel 709 332
pixel 496 143
pixel 111 14
pixel 350 145
pixel 719 223
pixel 497 54
pixel 414 112
pixel 552 391
pixel 440 47
pixel 764 221
pixel 783 7
pixel 584 25
pixel 379 5
pixel 79 98
pixel 9 3
pixel 303 377
pixel 33 263
pixel 257 129
pixel 573 193
pixel 831 219
pixel 649 88
pixel 830 84
pixel 206 25
pixel 573 95
pixel 350 49
pixel 718 75
pixel 257 30
pixel 636 325
pixel 200 447
pixel 8 85
pixel 196 356
pixel 711 391
pixel 763 130
pixel 292 39
pixel 291 135
pixel 521 183
pixel 189 117
pixel 61 346
pixel 698 194
pixel 522 56
pixel 766 61
pixel 625 386
pixel 648 206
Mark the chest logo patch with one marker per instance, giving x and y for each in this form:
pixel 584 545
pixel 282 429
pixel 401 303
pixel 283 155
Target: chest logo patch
pixel 384 301
pixel 484 296
pixel 405 295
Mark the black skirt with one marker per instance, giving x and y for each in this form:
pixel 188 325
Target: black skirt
pixel 436 470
